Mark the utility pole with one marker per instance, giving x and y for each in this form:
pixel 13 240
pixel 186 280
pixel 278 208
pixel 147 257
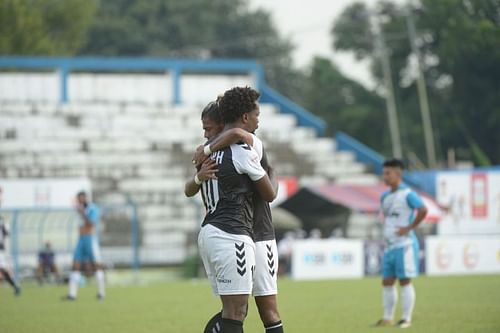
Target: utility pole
pixel 422 93
pixel 381 49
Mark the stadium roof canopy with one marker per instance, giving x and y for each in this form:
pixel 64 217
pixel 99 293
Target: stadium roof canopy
pixel 317 205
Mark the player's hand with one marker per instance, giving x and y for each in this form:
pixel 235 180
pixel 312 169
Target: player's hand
pixel 403 231
pixel 208 170
pixel 199 156
pixel 80 209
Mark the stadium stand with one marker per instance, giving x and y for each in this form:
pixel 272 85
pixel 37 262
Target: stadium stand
pixel 124 133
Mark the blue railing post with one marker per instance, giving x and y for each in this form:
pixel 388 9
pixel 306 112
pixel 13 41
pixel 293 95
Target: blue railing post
pixel 176 85
pixel 135 238
pixel 69 230
pixel 14 244
pixel 63 77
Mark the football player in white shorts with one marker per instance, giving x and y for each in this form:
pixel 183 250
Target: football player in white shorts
pixel 4 271
pixel 228 226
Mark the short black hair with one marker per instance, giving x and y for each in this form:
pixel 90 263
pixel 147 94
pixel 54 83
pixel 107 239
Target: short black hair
pixel 211 111
pixel 236 102
pixel 394 163
pixel 81 193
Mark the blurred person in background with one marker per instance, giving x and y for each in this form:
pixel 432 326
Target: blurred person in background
pixel 46 264
pixel 87 248
pixel 285 248
pixel 3 259
pixel 401 253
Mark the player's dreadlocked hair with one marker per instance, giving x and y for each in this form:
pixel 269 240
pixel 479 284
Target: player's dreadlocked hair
pixel 236 102
pixel 211 111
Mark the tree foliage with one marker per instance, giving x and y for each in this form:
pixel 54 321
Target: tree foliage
pixel 459 40
pixel 44 27
pixel 192 29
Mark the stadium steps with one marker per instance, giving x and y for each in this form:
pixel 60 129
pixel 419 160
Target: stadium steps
pixel 142 152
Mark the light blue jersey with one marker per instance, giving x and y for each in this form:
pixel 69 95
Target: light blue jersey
pixel 87 248
pixel 401 252
pixel 92 213
pixel 398 208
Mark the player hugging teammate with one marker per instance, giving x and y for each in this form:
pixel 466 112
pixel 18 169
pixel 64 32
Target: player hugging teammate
pixel 237 242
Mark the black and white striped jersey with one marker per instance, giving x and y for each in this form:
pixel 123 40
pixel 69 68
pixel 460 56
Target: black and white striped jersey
pixel 229 198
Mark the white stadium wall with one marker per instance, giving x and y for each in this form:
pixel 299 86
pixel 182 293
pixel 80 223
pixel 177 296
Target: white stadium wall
pixel 123 88
pixel 45 192
pixel 195 89
pixel 201 89
pixel 29 87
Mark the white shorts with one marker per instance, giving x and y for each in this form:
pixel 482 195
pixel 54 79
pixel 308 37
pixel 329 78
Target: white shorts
pixel 266 268
pixel 229 260
pixel 3 260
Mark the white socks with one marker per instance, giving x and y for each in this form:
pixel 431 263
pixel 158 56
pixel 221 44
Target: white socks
pixel 99 277
pixel 390 297
pixel 407 301
pixel 74 280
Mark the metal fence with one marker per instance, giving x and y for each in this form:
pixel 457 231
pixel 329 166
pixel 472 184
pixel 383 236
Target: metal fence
pixel 118 233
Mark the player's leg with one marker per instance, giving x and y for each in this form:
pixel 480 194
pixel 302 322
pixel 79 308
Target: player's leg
pixel 214 324
pixel 389 292
pixel 234 311
pixel 75 275
pixel 98 268
pixel 268 312
pixel 10 280
pixel 55 271
pixel 407 268
pixel 265 285
pixel 39 274
pixel 6 274
pixel 232 262
pixel 74 278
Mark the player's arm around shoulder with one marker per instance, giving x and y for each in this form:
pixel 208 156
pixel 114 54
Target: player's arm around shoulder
pixel 206 172
pixel 249 163
pixel 224 140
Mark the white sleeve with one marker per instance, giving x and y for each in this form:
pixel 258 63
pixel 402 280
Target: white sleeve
pixel 247 161
pixel 258 146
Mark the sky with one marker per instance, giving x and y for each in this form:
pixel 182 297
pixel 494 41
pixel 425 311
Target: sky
pixel 307 24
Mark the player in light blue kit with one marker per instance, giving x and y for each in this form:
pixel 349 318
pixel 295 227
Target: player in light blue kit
pixel 87 248
pixel 400 260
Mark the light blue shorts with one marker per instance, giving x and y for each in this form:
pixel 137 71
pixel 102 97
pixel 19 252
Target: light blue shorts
pixel 402 262
pixel 87 249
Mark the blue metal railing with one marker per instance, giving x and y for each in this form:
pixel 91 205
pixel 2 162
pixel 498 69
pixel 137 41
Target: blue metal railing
pixel 15 232
pixel 176 67
pixel 370 157
pixel 304 117
pixel 362 152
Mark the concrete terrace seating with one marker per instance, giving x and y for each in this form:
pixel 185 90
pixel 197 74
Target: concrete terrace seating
pixel 142 152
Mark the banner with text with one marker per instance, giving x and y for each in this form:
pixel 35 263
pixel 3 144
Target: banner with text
pixel 327 259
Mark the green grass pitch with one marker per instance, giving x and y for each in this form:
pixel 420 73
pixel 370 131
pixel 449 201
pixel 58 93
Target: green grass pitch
pixel 444 305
